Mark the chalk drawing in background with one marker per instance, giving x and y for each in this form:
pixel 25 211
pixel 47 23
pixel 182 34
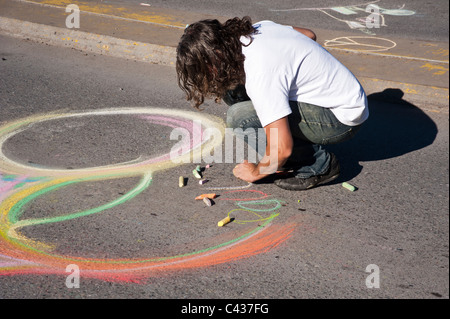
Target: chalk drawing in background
pixel 365 17
pixel 21 184
pixel 360 44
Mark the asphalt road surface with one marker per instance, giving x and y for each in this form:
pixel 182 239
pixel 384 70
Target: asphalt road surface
pixel 327 242
pixel 410 19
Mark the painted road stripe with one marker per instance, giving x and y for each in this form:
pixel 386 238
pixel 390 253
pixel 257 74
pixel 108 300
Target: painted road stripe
pixel 110 11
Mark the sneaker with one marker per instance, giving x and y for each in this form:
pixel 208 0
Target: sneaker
pixel 299 184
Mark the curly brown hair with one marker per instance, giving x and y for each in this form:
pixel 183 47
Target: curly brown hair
pixel 210 60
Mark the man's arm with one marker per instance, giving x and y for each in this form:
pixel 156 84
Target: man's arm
pixel 278 149
pixel 307 32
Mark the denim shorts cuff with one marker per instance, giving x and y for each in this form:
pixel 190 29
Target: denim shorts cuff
pixel 304 175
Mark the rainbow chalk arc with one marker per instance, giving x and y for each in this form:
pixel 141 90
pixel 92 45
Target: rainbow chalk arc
pixel 20 184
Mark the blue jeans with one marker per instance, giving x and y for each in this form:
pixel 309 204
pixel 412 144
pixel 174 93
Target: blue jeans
pixel 311 127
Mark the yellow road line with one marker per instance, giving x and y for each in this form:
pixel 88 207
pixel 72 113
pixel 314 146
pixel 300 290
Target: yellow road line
pixel 114 12
pixel 389 55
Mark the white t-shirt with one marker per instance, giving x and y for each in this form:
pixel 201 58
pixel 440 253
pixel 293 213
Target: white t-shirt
pixel 283 65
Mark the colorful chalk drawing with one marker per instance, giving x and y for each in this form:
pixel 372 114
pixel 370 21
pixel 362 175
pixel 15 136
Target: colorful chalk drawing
pixel 21 184
pixel 369 11
pixel 361 44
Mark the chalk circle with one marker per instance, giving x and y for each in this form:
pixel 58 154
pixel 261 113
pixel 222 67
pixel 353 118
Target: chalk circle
pixel 360 44
pixel 253 241
pixel 133 168
pixel 235 214
pixel 267 205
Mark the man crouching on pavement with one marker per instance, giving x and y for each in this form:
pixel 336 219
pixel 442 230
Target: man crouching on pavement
pixel 278 78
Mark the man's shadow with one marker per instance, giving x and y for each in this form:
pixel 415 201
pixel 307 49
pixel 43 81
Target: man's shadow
pixel 395 127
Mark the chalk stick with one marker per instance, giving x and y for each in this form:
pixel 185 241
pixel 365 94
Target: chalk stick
pixel 181 181
pixel 224 221
pixel 203 181
pixel 196 174
pixel 207 201
pixel 198 168
pixel 348 186
pixel 210 196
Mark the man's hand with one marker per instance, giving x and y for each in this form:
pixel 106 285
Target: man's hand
pixel 278 149
pixel 246 171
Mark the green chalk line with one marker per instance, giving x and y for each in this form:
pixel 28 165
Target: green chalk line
pixel 145 182
pixel 161 258
pixel 260 202
pixel 17 210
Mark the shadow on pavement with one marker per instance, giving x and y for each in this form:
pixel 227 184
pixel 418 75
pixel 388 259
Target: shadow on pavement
pixel 395 127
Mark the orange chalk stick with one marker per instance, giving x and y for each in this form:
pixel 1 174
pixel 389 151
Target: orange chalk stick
pixel 210 196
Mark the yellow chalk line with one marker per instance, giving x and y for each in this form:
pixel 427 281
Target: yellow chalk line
pixel 107 10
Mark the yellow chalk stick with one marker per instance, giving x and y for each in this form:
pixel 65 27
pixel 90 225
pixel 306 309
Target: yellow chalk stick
pixel 348 186
pixel 207 201
pixel 224 221
pixel 181 181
